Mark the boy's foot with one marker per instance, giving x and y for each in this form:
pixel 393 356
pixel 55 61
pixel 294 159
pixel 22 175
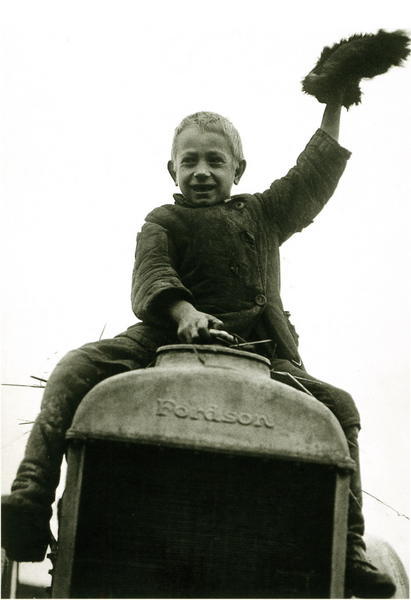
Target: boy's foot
pixel 363 580
pixel 25 530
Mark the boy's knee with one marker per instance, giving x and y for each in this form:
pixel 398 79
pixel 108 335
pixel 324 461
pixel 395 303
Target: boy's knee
pixel 107 357
pixel 78 358
pixel 344 398
pixel 346 409
pixel 73 369
pixel 94 353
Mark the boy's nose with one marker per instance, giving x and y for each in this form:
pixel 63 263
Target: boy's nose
pixel 203 174
pixel 202 171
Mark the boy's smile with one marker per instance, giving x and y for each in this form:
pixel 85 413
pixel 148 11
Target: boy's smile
pixel 204 167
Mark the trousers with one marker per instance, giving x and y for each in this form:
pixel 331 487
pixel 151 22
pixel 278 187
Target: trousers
pixel 80 370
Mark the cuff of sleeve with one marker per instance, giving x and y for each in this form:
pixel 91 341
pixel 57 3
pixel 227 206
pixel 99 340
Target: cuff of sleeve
pixel 169 295
pixel 157 308
pixel 321 139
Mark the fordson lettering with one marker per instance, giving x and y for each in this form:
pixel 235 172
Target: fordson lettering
pixel 166 408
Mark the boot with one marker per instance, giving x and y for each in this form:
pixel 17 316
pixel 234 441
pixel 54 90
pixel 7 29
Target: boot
pixel 26 512
pixel 362 579
pixel 25 530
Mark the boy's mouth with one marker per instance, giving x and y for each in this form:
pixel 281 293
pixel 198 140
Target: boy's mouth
pixel 202 187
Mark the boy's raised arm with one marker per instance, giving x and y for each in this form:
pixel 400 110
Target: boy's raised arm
pixel 293 201
pixel 331 119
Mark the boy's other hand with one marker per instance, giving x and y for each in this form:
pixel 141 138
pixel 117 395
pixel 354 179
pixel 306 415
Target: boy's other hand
pixel 193 325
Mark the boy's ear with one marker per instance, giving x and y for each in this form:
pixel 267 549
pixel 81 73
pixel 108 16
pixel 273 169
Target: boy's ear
pixel 239 171
pixel 171 170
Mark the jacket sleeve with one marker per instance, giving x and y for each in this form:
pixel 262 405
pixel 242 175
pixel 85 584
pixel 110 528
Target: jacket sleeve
pixel 294 200
pixel 155 280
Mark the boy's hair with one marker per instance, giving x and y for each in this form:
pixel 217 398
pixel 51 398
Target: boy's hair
pixel 210 121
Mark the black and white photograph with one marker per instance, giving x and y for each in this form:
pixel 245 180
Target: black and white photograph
pixel 205 341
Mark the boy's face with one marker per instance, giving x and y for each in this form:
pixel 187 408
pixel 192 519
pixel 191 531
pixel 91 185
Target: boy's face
pixel 204 167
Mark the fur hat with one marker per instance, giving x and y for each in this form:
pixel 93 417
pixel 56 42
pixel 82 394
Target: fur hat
pixel 341 67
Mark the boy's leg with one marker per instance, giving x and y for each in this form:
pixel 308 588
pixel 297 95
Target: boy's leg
pixel 361 577
pixel 27 510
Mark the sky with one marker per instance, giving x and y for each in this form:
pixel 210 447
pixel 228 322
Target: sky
pixel 92 92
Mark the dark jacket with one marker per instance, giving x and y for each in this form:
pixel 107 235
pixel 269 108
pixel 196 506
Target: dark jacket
pixel 224 259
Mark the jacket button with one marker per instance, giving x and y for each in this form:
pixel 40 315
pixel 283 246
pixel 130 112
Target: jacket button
pixel 260 299
pixel 248 237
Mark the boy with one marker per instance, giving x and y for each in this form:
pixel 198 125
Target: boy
pixel 210 261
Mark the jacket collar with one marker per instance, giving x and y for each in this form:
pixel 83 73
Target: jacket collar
pixel 181 201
